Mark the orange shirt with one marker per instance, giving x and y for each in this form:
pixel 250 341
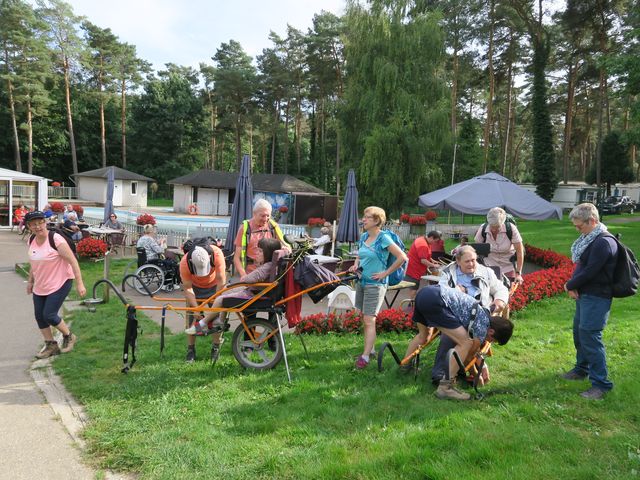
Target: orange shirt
pixel 207 281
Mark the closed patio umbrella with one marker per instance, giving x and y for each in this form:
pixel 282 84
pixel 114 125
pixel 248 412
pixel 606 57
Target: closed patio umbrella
pixel 349 224
pixel 108 203
pixel 242 208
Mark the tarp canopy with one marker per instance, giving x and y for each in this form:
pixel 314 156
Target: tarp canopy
pixel 478 195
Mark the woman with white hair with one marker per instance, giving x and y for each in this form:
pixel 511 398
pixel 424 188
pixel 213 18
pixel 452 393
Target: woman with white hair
pixel 505 243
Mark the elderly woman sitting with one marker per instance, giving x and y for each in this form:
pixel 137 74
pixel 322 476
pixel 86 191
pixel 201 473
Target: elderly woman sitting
pixel 71 227
pixel 154 249
pixel 505 243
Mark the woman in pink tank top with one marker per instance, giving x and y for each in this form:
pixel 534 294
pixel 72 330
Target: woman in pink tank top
pixel 53 268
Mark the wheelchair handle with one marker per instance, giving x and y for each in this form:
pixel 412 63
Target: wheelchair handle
pixel 124 282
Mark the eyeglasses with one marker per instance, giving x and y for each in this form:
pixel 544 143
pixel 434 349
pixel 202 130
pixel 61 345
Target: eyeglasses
pixel 368 217
pixel 112 216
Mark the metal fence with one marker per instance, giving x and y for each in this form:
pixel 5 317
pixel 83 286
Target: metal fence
pixel 62 192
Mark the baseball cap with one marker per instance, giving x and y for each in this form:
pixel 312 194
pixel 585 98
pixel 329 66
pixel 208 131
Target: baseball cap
pixel 201 261
pixel 37 215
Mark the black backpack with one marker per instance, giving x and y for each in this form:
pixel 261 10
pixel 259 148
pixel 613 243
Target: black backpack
pixel 626 273
pixel 52 232
pixel 507 223
pixel 191 244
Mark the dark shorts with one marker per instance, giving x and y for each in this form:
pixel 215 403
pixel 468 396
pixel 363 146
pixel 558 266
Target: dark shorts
pixel 430 309
pixel 204 293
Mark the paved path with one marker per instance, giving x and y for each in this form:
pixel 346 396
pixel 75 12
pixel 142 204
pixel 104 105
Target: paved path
pixel 33 441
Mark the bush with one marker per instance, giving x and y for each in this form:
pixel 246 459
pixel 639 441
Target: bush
pixel 430 215
pixel 417 220
pixel 283 209
pixel 391 320
pixel 57 207
pixel 146 219
pixel 91 248
pixel 79 210
pixel 404 218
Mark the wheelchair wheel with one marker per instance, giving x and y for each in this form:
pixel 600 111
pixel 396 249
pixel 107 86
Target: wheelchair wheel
pixel 151 276
pixel 259 354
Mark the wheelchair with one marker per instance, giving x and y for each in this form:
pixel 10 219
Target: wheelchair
pixel 153 275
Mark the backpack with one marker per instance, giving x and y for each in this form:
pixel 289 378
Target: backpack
pixel 397 276
pixel 191 244
pixel 626 272
pixel 507 223
pixel 309 274
pixel 52 242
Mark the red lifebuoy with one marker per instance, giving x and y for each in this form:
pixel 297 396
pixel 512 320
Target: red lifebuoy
pixel 193 209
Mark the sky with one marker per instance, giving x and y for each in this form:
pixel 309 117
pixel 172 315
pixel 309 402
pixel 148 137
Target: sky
pixel 187 32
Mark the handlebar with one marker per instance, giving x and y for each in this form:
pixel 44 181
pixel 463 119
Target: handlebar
pixel 112 286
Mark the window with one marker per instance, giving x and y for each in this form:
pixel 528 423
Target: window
pixel 134 188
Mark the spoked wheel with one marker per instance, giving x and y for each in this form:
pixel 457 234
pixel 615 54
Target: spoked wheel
pixel 131 267
pixel 255 350
pixel 151 276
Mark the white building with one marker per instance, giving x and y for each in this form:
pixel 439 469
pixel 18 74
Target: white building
pixel 129 189
pixel 18 188
pixel 569 195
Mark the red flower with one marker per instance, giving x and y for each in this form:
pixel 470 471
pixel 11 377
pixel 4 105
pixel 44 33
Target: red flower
pixel 316 221
pixel 55 184
pixel 430 215
pixel 417 220
pixel 404 218
pixel 283 209
pixel 146 219
pixel 78 209
pixel 57 207
pixel 91 248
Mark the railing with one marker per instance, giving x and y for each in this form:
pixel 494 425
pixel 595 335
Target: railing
pixel 62 192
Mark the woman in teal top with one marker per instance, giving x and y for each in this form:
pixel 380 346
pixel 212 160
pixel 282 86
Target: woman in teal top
pixel 375 248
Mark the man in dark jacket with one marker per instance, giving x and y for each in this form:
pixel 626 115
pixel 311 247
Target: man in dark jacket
pixel 595 253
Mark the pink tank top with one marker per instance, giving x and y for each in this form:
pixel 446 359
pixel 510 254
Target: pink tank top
pixel 50 270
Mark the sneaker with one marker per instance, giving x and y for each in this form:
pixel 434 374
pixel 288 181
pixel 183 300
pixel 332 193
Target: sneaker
pixel 594 393
pixel 68 342
pixel 191 355
pixel 409 367
pixel 215 326
pixel 573 375
pixel 50 348
pixel 361 363
pixel 197 330
pixel 215 352
pixel 447 390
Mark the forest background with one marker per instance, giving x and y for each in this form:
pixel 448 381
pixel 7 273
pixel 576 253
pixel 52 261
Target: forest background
pixel 413 94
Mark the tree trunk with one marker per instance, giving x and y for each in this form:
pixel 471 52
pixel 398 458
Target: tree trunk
pixel 568 120
pixel 238 142
pixel 337 161
pixel 123 121
pixel 29 138
pixel 103 136
pixel 507 134
pixel 274 137
pixel 286 137
pixel 213 121
pixel 298 133
pixel 14 126
pixel 487 126
pixel 67 96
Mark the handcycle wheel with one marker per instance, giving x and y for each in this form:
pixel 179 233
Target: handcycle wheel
pixel 260 353
pixel 151 276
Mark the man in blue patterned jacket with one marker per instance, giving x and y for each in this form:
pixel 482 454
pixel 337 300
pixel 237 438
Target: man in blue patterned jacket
pixel 461 318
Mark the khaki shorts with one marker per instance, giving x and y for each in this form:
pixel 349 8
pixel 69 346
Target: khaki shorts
pixel 369 298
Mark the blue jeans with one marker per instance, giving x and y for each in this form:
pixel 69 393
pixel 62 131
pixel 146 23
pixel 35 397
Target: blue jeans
pixel 590 319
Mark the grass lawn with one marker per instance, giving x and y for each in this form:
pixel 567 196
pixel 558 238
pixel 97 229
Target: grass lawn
pixel 166 419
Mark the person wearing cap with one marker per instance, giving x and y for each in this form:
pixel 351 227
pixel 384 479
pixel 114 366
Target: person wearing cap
pixel 53 268
pixel 266 248
pixel 202 273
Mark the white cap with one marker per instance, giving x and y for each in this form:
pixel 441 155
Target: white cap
pixel 201 261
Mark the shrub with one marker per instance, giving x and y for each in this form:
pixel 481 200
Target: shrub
pixel 57 207
pixel 315 221
pixel 79 210
pixel 283 209
pixel 404 218
pixel 146 219
pixel 91 248
pixel 391 320
pixel 417 220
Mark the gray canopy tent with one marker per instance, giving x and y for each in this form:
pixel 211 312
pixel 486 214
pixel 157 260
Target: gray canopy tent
pixel 478 195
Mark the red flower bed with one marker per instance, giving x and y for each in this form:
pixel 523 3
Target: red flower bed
pixel 57 207
pixel 91 248
pixel 316 221
pixel 417 220
pixel 404 218
pixel 536 286
pixel 543 283
pixel 146 219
